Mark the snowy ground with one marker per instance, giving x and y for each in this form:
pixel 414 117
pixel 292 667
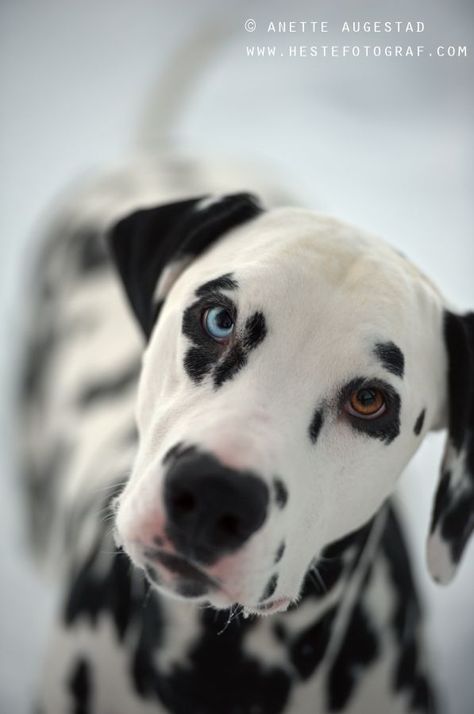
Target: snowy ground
pixel 385 143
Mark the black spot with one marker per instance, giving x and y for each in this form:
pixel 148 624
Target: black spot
pixel 454 505
pixel 92 254
pixel 220 677
pixel 280 552
pixel 337 560
pixel 35 368
pixel 315 426
pixel 224 282
pixel 458 524
pixel 358 651
pixel 150 634
pixel 80 687
pixel 406 668
pixel 419 423
pixel 356 539
pixel 385 427
pixel 104 585
pixel 391 357
pixel 409 678
pixel 442 499
pixel 232 363
pixel 270 588
pixel 422 698
pixel 309 647
pixel 406 617
pixel 459 338
pixel 255 331
pixel 111 387
pixel 198 363
pixel 281 493
pixel 280 631
pixel 406 612
pixel 320 584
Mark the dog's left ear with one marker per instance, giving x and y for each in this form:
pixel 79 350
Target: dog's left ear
pixel 151 247
pixel 453 512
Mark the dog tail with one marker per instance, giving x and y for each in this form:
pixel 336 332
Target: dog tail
pixel 160 116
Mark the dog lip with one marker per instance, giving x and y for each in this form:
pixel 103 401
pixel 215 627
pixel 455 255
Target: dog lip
pixel 179 566
pixel 278 605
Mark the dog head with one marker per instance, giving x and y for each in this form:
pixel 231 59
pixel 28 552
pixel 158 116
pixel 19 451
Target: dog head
pixel 293 365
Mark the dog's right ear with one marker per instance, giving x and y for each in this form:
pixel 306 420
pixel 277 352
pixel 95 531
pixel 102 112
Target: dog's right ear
pixel 453 513
pixel 151 247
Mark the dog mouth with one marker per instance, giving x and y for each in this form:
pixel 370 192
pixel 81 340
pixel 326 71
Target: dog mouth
pixel 189 580
pixel 269 608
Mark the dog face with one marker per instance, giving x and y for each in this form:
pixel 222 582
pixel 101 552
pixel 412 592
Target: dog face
pixel 294 368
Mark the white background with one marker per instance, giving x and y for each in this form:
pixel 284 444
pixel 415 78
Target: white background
pixel 384 143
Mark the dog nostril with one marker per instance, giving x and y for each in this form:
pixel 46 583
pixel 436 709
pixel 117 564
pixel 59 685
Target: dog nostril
pixel 185 502
pixel 228 524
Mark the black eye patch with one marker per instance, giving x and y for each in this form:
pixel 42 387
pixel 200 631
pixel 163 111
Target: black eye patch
pixel 207 356
pixel 205 353
pixel 385 427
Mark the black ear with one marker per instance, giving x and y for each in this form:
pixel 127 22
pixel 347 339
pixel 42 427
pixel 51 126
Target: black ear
pixel 453 512
pixel 153 246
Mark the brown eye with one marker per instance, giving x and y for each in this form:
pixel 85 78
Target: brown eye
pixel 368 403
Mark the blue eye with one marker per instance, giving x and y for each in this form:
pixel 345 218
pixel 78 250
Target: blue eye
pixel 218 323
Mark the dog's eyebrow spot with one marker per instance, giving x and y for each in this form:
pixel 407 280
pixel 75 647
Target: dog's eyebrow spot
pixel 419 423
pixel 281 492
pixel 270 588
pixel 391 357
pixel 224 282
pixel 315 426
pixel 280 552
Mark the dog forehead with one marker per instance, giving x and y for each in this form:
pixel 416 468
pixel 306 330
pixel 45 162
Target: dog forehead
pixel 290 258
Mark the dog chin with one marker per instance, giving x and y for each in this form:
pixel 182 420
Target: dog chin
pixel 190 593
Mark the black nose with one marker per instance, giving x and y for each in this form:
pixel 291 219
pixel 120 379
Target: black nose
pixel 211 509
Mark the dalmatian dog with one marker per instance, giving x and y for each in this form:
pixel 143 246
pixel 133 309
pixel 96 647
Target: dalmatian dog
pixel 220 395
pixel 241 452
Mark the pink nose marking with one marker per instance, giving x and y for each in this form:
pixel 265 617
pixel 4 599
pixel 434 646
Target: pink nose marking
pixel 149 533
